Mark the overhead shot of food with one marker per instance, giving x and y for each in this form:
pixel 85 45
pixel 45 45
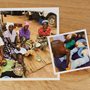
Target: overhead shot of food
pixel 23 40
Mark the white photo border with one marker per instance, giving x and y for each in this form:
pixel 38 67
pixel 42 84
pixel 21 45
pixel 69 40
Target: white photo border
pixel 56 73
pixel 31 79
pixel 57 32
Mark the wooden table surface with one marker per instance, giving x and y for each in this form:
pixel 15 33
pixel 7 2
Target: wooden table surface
pixel 75 15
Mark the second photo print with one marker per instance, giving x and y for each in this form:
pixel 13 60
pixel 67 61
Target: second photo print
pixel 69 51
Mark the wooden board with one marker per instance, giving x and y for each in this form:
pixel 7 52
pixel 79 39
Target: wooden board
pixel 32 64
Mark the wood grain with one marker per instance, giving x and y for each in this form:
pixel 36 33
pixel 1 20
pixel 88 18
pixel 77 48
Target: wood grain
pixel 75 14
